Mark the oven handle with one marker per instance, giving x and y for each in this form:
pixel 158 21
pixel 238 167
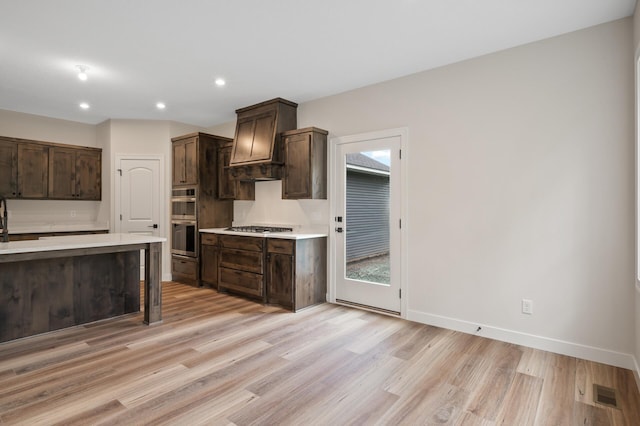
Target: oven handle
pixel 184 222
pixel 178 199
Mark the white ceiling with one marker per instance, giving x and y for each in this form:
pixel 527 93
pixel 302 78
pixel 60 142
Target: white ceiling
pixel 144 51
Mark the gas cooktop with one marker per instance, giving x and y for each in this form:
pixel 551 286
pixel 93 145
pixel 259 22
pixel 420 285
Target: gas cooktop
pixel 259 229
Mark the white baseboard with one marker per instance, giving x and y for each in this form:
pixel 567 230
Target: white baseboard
pixel 590 353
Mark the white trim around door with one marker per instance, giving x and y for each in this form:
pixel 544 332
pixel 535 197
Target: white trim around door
pixel 334 205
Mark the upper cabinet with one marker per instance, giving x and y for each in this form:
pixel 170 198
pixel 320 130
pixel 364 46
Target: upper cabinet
pixel 228 187
pixel 185 155
pixel 33 171
pixel 75 173
pixel 258 129
pixel 8 168
pixel 88 174
pixel 195 164
pixel 41 170
pixel 24 170
pixel 305 163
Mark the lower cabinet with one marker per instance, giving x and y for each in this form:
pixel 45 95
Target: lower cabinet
pixel 281 272
pixel 209 260
pixel 241 265
pixel 296 272
pixel 184 269
pixel 291 273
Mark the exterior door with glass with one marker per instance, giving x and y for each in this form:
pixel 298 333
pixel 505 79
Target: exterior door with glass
pixel 367 223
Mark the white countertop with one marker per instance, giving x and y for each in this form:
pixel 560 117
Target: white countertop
pixel 76 242
pixel 296 235
pixel 45 228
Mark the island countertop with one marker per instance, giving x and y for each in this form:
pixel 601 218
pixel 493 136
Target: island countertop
pixel 76 242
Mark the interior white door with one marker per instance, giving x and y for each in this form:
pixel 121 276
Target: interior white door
pixel 367 222
pixel 139 198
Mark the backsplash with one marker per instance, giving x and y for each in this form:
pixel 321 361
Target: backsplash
pixel 29 213
pixel 270 209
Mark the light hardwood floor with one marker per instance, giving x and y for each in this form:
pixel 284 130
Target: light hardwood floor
pixel 218 359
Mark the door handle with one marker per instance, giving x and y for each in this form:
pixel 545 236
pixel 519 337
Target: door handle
pixel 339 229
pixel 154 226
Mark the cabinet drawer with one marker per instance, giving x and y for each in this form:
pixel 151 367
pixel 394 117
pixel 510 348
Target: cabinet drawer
pixel 187 268
pixel 250 261
pixel 208 239
pixel 279 245
pixel 243 243
pixel 241 282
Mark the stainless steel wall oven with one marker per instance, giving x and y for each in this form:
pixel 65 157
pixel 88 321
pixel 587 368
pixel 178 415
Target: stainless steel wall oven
pixel 184 203
pixel 184 237
pixel 184 224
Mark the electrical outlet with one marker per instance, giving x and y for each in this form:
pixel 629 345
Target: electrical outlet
pixel 72 213
pixel 527 306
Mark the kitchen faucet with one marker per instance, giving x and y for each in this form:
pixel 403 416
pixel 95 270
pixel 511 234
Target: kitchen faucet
pixel 4 221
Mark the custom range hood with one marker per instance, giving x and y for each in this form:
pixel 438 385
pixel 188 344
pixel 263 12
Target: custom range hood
pixel 257 152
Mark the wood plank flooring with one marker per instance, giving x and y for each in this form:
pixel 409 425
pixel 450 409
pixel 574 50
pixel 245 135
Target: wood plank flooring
pixel 222 360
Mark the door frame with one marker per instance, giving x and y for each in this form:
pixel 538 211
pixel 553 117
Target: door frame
pixel 162 222
pixel 116 186
pixel 403 134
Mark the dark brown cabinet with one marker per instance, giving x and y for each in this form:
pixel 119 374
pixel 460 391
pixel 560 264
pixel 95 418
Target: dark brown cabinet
pixel 185 156
pixel 43 170
pixel 195 167
pixel 75 173
pixel 258 129
pixel 88 174
pixel 291 273
pixel 281 272
pixel 228 187
pixel 33 171
pixel 241 265
pixel 8 168
pixel 296 272
pixel 305 163
pixel 209 260
pixel 184 269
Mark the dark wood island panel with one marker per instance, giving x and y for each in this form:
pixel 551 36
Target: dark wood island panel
pixel 49 294
pixel 43 291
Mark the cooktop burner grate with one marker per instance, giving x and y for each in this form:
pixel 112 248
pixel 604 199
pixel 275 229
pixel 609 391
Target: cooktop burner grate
pixel 259 229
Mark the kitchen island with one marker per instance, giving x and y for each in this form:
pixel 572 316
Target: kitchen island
pixel 58 282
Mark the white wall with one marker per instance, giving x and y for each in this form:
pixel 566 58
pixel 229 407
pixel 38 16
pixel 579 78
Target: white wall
pixel 521 186
pixel 636 44
pixel 103 135
pixel 270 209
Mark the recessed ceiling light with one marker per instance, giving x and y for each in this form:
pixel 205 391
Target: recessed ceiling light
pixel 220 81
pixel 82 72
pixel 84 105
pixel 161 105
